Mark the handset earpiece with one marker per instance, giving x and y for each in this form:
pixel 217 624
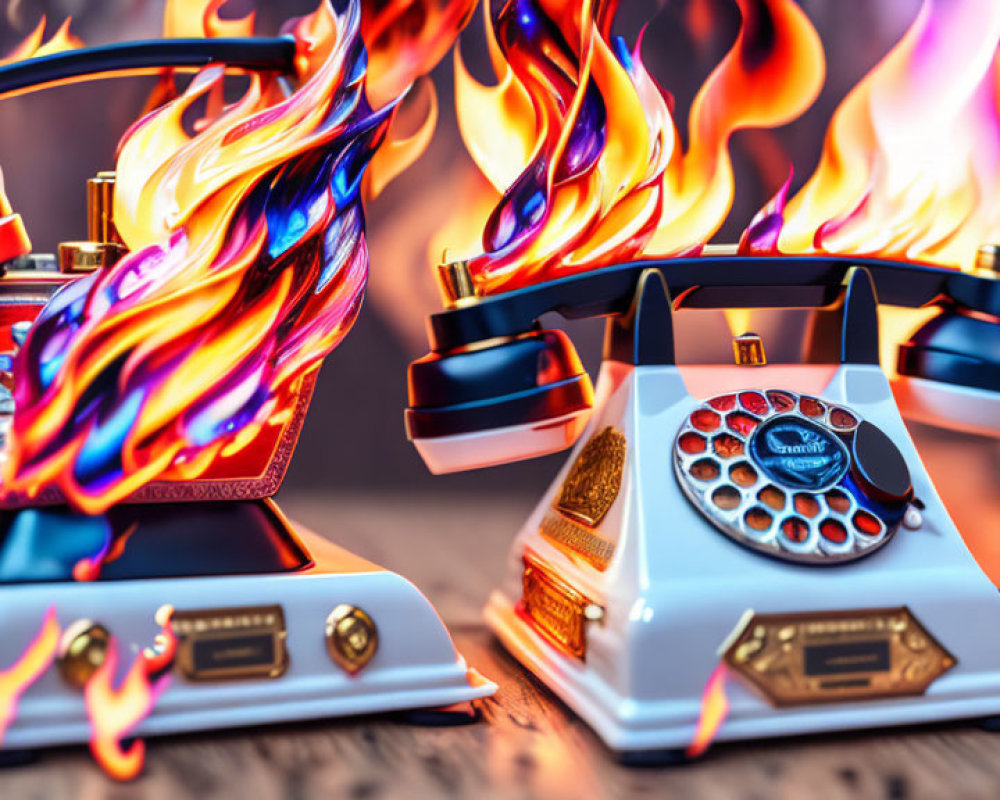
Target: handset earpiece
pixel 949 369
pixel 498 401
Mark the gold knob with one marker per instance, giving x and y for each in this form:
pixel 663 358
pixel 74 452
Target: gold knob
pixel 351 637
pixel 82 650
pixel 988 259
pixel 748 350
pixel 77 257
pixel 101 209
pixel 456 283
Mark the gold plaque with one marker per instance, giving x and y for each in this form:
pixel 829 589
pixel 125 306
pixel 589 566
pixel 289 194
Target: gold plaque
pixel 217 644
pixel 554 608
pixel 837 656
pixel 595 478
pixel 578 540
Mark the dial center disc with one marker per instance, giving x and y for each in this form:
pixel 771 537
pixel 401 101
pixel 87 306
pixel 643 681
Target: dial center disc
pixel 798 454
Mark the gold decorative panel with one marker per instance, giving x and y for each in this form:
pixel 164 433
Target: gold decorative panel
pixel 554 608
pixel 595 478
pixel 840 656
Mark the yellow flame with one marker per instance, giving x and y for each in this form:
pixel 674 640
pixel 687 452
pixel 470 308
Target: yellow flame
pixel 911 161
pixel 193 19
pixel 29 667
pixel 714 708
pixel 644 195
pixel 34 44
pixel 114 713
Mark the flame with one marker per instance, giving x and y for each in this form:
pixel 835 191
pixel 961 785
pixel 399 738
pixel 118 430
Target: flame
pixel 911 161
pixel 34 44
pixel 114 713
pixel 247 267
pixel 29 667
pixel 193 19
pixel 714 708
pixel 89 568
pixel 582 143
pixel 406 39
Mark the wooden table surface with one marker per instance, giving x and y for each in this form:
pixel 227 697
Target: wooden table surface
pixel 527 743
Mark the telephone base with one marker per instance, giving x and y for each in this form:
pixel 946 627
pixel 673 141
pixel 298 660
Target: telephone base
pixel 271 626
pixel 630 617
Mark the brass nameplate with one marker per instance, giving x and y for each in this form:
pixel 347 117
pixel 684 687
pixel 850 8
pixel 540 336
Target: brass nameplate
pixel 228 643
pixel 554 608
pixel 839 656
pixel 578 540
pixel 595 478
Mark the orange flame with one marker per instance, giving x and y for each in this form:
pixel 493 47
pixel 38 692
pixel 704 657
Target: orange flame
pixel 114 713
pixel 581 140
pixel 193 19
pixel 32 664
pixel 714 708
pixel 911 161
pixel 34 44
pixel 406 39
pixel 248 266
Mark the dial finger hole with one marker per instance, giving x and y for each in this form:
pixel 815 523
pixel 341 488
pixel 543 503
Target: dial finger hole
pixel 772 496
pixel 795 530
pixel 705 420
pixel 726 498
pixel 741 423
pixel 743 474
pixel 726 402
pixel 704 469
pixel 727 446
pixel 843 420
pixel 811 407
pixel 807 505
pixel 781 402
pixel 838 501
pixel 692 443
pixel 833 531
pixel 867 523
pixel 758 519
pixel 754 402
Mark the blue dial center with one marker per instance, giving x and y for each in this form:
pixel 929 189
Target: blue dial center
pixel 799 454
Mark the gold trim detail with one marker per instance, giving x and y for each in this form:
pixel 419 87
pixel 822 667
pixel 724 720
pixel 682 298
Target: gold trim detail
pixel 594 480
pixel 578 540
pixel 218 644
pixel 554 608
pixel 837 656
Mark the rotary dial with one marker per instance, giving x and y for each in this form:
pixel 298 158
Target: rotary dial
pixel 792 476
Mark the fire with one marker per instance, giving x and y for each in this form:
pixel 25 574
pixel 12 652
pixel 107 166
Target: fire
pixel 714 708
pixel 247 267
pixel 193 19
pixel 34 44
pixel 582 144
pixel 114 713
pixel 32 664
pixel 911 161
pixel 406 39
pixel 89 568
pixel 14 239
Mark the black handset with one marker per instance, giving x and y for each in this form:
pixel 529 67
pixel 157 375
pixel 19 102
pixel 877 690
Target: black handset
pixel 493 370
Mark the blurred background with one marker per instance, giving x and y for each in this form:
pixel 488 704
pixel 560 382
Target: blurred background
pixel 52 141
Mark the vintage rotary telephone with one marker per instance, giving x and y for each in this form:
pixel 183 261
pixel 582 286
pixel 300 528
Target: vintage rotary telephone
pixel 267 621
pixel 619 591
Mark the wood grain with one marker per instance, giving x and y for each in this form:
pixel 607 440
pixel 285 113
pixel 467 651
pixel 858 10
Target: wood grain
pixel 526 743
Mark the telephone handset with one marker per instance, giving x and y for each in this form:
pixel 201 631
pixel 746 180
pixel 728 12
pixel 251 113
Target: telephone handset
pixel 496 388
